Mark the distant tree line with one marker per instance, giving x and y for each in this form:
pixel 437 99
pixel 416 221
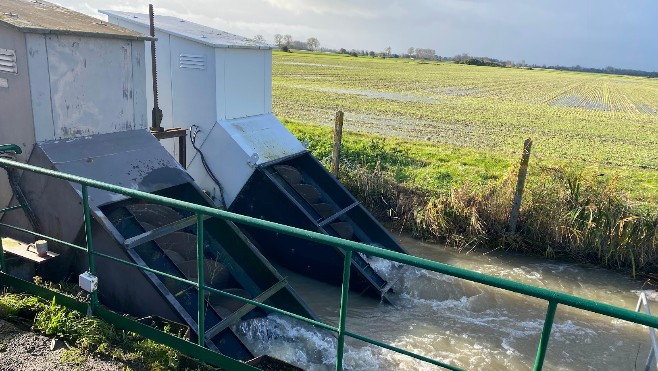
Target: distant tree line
pixel 493 62
pixel 286 42
pixel 608 70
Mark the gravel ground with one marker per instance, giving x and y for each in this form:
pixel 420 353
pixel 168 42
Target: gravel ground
pixel 27 351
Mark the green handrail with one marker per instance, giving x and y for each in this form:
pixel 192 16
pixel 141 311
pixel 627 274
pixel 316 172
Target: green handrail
pixel 199 261
pixel 553 297
pixel 347 265
pixel 90 246
pixel 11 148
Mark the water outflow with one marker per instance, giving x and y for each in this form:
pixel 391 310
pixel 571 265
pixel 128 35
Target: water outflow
pixel 464 324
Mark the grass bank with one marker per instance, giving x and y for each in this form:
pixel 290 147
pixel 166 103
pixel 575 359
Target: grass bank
pixel 89 336
pixel 463 197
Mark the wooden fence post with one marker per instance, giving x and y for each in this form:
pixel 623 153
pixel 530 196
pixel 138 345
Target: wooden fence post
pixel 338 137
pixel 520 184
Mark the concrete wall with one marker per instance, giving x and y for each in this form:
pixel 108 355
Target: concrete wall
pixel 16 124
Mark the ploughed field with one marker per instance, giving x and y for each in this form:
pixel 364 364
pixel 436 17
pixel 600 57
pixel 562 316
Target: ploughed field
pixel 607 123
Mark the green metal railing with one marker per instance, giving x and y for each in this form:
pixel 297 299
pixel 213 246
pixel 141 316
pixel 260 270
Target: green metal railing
pixel 552 297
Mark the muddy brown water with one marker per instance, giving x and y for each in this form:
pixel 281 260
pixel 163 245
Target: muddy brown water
pixel 461 323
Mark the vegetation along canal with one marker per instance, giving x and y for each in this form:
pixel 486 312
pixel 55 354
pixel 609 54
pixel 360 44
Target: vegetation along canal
pixel 465 324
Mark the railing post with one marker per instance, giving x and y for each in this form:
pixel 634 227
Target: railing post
pixel 520 184
pixel 3 265
pixel 199 258
pixel 343 310
pixel 642 301
pixel 90 246
pixel 545 335
pixel 338 137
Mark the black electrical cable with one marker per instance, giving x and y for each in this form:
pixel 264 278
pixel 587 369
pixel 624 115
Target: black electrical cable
pixel 194 130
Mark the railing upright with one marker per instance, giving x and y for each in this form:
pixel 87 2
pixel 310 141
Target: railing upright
pixel 199 260
pixel 545 335
pixel 554 298
pixel 3 265
pixel 89 244
pixel 643 302
pixel 340 347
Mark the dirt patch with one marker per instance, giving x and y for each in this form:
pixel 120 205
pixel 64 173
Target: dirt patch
pixel 21 349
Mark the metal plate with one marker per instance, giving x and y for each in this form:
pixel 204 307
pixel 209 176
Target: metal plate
pixel 47 18
pixel 132 159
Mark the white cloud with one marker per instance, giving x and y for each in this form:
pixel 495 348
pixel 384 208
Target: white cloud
pixel 606 32
pixel 358 9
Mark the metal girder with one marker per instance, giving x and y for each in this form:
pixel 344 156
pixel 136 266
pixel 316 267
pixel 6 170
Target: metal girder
pixel 161 232
pixel 235 316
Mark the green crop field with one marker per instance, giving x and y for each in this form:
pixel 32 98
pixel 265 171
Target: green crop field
pixel 602 122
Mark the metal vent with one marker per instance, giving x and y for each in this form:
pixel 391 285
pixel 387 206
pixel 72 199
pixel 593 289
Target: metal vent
pixel 8 61
pixel 192 62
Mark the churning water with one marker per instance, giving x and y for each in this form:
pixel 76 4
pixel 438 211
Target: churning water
pixel 461 323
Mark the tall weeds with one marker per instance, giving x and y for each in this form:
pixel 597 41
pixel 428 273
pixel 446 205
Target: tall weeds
pixel 565 213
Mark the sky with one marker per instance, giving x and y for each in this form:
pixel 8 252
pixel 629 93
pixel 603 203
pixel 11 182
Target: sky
pixel 591 33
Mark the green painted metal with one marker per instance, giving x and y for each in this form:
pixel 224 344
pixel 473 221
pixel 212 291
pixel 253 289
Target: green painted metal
pixel 554 298
pixel 201 318
pixel 3 264
pixel 402 351
pixel 193 350
pixel 545 335
pixel 126 323
pixel 43 292
pixel 11 148
pixel 537 292
pixel 42 236
pixel 273 309
pixel 340 347
pixel 90 246
pixel 160 273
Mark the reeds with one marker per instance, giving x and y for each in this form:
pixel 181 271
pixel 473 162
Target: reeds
pixel 566 213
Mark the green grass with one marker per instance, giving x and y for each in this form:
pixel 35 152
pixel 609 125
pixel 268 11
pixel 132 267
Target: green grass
pixel 434 167
pixel 464 197
pixel 434 149
pixel 480 116
pixel 90 336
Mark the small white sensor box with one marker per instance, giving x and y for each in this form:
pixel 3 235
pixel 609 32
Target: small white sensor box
pixel 88 282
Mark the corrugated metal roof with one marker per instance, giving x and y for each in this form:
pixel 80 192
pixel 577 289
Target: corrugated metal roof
pixel 36 16
pixel 190 30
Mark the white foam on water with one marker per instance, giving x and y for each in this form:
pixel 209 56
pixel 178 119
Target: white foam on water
pixel 509 350
pixel 470 306
pixel 290 340
pixel 313 349
pixel 452 320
